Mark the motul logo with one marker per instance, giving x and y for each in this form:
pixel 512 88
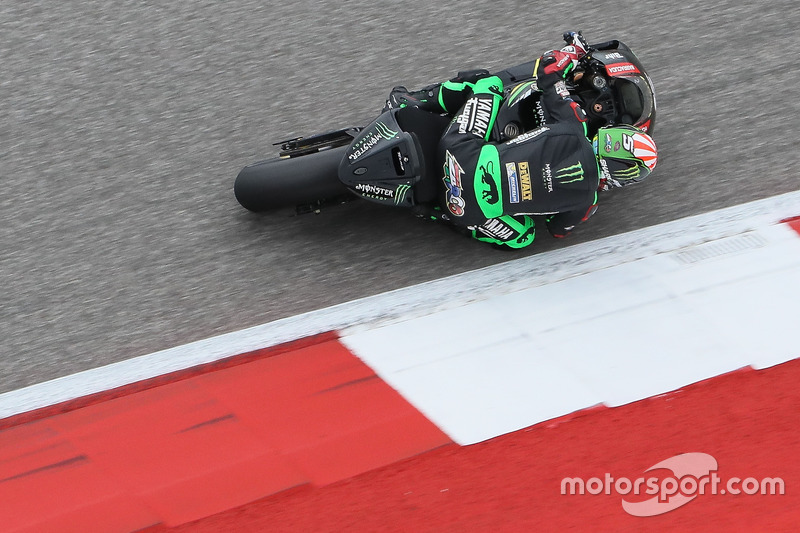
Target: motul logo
pixel 622 68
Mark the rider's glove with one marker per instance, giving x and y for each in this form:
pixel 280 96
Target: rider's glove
pixel 471 76
pixel 558 61
pixel 575 39
pixel 400 97
pixel 425 99
pixel 564 60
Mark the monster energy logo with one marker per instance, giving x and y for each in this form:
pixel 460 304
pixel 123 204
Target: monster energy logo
pixel 400 193
pixel 385 131
pixel 371 139
pixel 371 191
pixel 629 173
pixel 570 174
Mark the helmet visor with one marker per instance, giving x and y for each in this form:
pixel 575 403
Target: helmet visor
pixel 637 101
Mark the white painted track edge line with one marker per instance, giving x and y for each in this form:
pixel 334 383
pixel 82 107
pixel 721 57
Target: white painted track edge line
pixel 418 300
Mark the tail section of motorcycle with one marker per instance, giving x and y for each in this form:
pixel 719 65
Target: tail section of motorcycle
pixel 393 161
pixel 303 178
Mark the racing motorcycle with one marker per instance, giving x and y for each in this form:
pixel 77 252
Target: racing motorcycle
pixel 392 161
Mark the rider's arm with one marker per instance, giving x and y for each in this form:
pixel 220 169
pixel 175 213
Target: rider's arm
pixel 550 71
pixel 556 103
pixel 452 94
pixel 446 97
pixel 478 112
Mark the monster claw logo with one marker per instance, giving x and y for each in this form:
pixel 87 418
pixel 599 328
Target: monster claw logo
pixel 570 174
pixel 400 193
pixel 630 173
pixel 452 182
pixel 385 131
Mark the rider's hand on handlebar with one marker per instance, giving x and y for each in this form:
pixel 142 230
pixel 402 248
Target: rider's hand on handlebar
pixel 558 61
pixel 564 60
pixel 400 97
pixel 575 39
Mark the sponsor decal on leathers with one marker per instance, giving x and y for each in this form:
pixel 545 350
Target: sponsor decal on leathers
pixel 528 136
pixel 547 177
pixel 476 116
pixel 452 182
pixel 513 183
pixel 525 181
pixel 496 229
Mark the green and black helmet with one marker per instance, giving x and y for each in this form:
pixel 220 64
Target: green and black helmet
pixel 625 154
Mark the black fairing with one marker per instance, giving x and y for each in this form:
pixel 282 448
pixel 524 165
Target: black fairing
pixel 610 84
pixel 392 161
pixel 627 95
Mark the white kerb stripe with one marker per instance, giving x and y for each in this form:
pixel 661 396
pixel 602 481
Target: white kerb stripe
pixel 417 301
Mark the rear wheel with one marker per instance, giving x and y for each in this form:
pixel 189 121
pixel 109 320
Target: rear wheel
pixel 305 177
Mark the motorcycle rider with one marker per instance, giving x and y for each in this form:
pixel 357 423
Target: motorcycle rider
pixel 491 190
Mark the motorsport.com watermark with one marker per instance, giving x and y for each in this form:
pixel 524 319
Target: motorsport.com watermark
pixel 694 474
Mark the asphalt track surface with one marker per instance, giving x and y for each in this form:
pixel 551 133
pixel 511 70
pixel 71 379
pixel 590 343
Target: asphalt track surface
pixel 125 124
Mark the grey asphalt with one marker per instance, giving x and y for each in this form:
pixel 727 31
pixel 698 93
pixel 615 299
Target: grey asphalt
pixel 124 124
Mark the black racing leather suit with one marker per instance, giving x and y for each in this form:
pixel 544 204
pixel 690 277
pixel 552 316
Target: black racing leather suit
pixel 491 189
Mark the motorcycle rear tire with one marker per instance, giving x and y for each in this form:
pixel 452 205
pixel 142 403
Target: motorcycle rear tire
pixel 290 181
